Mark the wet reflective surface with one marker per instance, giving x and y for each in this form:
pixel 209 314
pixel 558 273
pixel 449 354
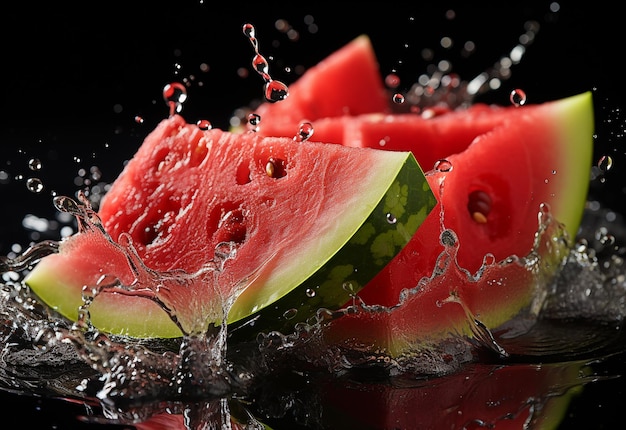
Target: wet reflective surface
pixel 76 108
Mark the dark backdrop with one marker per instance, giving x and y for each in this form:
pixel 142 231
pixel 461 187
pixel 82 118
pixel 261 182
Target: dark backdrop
pixel 74 79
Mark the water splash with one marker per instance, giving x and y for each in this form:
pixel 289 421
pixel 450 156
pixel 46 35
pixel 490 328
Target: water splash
pixel 196 380
pixel 175 95
pixel 441 87
pixel 274 91
pixel 199 378
pixel 129 371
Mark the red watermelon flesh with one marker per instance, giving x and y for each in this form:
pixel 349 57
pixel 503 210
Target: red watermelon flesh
pixel 508 166
pixel 284 207
pixel 533 161
pixel 506 162
pixel 530 156
pixel 314 95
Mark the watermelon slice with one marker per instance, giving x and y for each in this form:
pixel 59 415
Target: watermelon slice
pixel 504 168
pixel 303 219
pixel 314 96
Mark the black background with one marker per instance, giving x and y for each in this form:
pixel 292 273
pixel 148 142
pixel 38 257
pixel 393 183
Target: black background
pixel 65 71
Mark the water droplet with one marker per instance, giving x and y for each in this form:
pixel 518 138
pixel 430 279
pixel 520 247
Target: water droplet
pixel 276 91
pixel 443 165
pixel 34 185
pixel 518 97
pixel 66 204
pixel 260 65
pixel 254 119
pixel 34 164
pixel 603 236
pixel 581 245
pixel 605 163
pixel 391 218
pixel 304 132
pixel 607 240
pixel 392 80
pixel 448 238
pixel 398 98
pixel 95 172
pixel 290 313
pixel 310 292
pixel 248 30
pixel 204 124
pixel 138 119
pixel 174 94
pixel 348 287
pixel 225 251
pixel 489 260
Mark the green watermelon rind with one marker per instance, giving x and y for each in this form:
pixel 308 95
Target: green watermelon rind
pixel 576 125
pixel 396 185
pixel 389 227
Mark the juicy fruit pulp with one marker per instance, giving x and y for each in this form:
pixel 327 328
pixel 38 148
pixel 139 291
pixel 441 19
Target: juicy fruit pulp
pixel 300 221
pixel 499 174
pixel 501 166
pixel 531 165
pixel 326 90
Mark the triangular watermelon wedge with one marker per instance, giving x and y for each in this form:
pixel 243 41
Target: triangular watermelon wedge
pixel 326 90
pixel 300 221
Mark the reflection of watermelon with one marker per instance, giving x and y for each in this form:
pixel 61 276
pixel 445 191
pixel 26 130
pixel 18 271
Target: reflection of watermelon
pixel 512 397
pixel 516 159
pixel 481 396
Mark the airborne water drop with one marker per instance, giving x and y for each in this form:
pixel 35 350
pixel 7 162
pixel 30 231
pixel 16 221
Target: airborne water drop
pixel 34 185
pixel 174 94
pixel 254 120
pixel 304 132
pixel 605 163
pixel 276 91
pixel 518 97
pixel 34 164
pixel 398 98
pixel 204 124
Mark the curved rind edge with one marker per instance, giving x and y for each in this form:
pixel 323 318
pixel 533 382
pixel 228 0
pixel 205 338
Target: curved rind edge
pixel 408 201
